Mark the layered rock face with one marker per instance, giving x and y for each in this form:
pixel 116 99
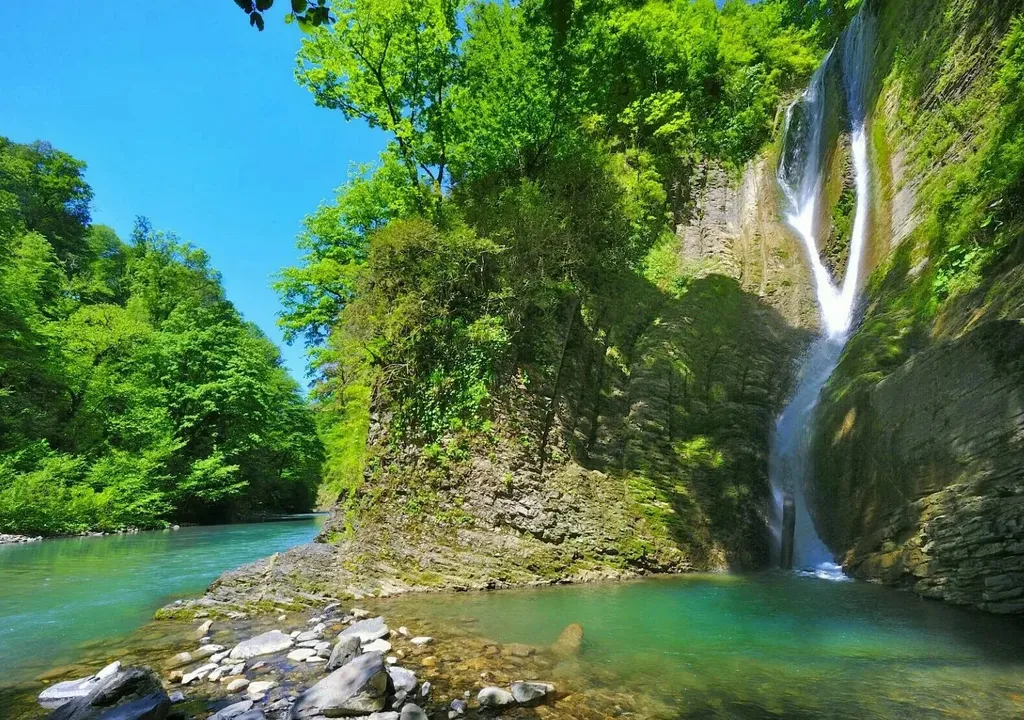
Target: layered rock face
pixel 643 449
pixel 919 443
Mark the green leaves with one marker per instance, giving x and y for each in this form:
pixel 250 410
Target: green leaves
pixel 131 391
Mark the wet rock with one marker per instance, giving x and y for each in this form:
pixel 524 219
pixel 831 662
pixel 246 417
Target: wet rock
pixel 198 674
pixel 360 613
pixel 217 657
pixel 60 693
pixel 412 711
pixel 176 697
pixel 258 689
pixel 238 685
pixel 357 688
pixel 218 673
pixel 570 641
pixel 495 698
pixel 421 640
pixel 265 644
pixel 182 658
pixel 403 631
pixel 425 690
pixel 531 693
pixel 381 646
pixel 129 694
pixel 232 711
pixel 308 635
pixel 457 708
pixel 389 715
pixel 207 651
pixel 344 652
pixel 301 654
pixel 203 630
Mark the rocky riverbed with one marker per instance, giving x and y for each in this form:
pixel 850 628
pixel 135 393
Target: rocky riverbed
pixel 330 662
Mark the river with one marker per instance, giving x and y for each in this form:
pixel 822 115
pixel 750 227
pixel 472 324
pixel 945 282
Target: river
pixel 58 597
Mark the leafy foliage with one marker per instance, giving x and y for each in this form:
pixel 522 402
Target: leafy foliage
pixel 131 391
pixel 537 151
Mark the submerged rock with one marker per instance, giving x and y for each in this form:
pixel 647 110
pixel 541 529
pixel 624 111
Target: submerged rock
pixel 570 641
pixel 265 644
pixel 531 693
pixel 358 688
pixel 495 698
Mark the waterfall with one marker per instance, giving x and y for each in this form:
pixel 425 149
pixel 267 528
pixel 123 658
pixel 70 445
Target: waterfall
pixel 800 178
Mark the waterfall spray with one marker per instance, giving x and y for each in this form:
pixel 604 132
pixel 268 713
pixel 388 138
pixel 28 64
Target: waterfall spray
pixel 800 177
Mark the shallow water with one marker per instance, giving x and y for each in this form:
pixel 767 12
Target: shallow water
pixel 60 597
pixel 760 646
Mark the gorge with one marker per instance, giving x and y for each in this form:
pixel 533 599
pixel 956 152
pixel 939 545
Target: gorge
pixel 628 280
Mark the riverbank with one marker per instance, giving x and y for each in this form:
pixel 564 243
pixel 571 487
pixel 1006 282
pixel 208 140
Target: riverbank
pixel 6 539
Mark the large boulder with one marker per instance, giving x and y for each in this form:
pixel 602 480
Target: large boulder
pixel 60 693
pixel 358 688
pixel 265 644
pixel 367 630
pixel 129 694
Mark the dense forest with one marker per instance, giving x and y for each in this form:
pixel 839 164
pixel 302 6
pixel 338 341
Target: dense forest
pixel 132 393
pixel 538 152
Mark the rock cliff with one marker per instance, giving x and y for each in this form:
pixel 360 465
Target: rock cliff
pixel 919 441
pixel 645 452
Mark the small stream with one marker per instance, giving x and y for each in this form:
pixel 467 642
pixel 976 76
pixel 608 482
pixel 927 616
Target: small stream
pixel 58 597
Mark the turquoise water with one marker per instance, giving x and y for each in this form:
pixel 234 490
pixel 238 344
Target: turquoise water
pixel 58 596
pixel 760 646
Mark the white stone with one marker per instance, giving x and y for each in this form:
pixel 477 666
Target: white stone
pixel 198 674
pixel 381 646
pixel 206 651
pixel 421 640
pixel 301 654
pixel 238 685
pixel 258 689
pixel 390 659
pixel 61 692
pixel 219 656
pixel 404 631
pixel 265 644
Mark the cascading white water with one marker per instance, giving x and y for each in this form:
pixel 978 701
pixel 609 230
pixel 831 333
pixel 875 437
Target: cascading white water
pixel 800 177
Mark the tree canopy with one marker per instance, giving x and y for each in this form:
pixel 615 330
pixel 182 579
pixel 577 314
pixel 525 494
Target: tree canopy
pixel 132 393
pixel 536 149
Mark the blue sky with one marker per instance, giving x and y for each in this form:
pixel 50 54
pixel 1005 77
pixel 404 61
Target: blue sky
pixel 187 116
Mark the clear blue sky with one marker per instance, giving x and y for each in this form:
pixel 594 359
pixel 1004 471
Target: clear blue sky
pixel 187 115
